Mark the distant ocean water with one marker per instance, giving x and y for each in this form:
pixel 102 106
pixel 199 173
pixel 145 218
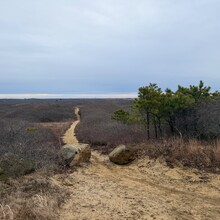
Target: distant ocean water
pixel 67 96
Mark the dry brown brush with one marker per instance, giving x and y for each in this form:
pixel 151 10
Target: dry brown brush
pixel 32 197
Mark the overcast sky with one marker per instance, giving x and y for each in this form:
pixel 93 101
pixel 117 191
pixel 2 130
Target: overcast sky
pixel 107 46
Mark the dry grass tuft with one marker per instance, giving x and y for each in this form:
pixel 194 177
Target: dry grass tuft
pixel 36 196
pixel 6 212
pixel 38 207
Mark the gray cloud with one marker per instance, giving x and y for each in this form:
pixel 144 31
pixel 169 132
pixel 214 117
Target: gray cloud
pixel 107 46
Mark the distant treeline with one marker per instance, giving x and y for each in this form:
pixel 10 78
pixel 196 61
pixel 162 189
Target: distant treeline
pixel 192 111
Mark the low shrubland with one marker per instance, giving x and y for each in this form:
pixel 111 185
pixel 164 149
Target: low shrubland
pixel 23 132
pixel 28 143
pixel 33 130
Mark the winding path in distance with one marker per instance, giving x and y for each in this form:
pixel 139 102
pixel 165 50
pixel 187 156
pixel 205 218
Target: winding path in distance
pixel 70 136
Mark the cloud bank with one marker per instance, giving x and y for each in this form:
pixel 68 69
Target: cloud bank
pixel 109 46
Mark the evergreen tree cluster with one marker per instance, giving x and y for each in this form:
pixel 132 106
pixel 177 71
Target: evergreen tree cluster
pixel 183 110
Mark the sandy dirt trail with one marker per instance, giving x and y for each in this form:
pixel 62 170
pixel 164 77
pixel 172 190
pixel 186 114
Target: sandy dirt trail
pixel 70 136
pixel 146 189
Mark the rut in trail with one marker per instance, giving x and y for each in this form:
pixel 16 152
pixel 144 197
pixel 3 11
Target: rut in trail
pixel 146 189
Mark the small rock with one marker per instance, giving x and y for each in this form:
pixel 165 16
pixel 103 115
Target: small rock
pixel 67 154
pixel 122 155
pixel 72 154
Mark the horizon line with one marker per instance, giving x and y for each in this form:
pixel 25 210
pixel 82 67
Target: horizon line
pixel 67 96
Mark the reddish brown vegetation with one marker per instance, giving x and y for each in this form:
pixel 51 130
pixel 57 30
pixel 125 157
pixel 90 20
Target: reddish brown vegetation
pixel 192 153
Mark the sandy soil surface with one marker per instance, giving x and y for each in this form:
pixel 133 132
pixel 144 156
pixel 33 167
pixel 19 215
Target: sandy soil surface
pixel 145 189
